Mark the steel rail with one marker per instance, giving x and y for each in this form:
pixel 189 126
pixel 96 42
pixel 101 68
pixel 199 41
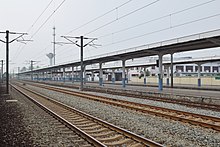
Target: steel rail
pixel 192 118
pixel 135 139
pixel 137 94
pixel 143 95
pixel 84 135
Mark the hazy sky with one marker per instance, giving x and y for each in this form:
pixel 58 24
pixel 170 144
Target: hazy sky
pixel 19 16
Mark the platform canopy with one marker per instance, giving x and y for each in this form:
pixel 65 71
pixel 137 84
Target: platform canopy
pixel 205 40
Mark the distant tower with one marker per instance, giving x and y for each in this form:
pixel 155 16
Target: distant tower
pixel 54 44
pixel 50 56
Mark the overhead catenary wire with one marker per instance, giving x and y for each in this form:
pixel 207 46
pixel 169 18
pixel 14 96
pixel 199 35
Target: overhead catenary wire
pixel 121 5
pixel 39 55
pixel 48 18
pixel 158 18
pixel 40 15
pixel 164 29
pixel 20 47
pixel 45 58
pixel 123 16
pixel 161 30
pixel 100 15
pixel 96 18
pixel 64 51
pixel 40 52
pixel 41 26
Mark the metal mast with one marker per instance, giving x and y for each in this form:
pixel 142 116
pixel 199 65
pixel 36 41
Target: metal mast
pixel 7 42
pixel 54 44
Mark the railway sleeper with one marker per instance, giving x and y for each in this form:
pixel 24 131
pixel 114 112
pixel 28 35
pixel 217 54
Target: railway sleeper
pixel 81 123
pixel 73 137
pixel 78 121
pixel 75 118
pixel 87 124
pixel 97 131
pixel 103 134
pixel 97 127
pixel 60 126
pixel 81 141
pixel 87 145
pixel 124 142
pixel 110 138
pixel 66 114
pixel 136 145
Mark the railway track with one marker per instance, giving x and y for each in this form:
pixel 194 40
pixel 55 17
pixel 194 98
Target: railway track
pixel 97 132
pixel 142 95
pixel 192 118
pixel 134 94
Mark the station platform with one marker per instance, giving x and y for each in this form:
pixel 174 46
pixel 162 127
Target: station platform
pixel 186 90
pixel 210 92
pixel 176 86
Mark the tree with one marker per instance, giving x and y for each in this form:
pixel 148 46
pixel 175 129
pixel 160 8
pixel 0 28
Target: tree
pixel 147 73
pixel 23 69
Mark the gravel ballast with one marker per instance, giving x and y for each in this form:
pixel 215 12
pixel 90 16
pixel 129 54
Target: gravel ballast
pixel 36 127
pixel 165 131
pixel 162 104
pixel 12 130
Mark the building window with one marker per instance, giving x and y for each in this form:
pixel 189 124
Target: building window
pixel 215 69
pixel 189 68
pixel 179 68
pixel 196 67
pixel 134 75
pixel 207 68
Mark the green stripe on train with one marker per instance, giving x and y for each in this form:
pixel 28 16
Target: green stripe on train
pixel 217 78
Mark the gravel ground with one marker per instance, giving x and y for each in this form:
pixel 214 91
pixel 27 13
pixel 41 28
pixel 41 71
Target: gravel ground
pixel 162 104
pixel 12 130
pixel 157 103
pixel 165 131
pixel 25 124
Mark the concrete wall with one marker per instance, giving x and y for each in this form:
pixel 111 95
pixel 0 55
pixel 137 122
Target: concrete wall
pixel 179 80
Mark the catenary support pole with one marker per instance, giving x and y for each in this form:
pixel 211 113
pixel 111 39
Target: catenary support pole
pixel 113 76
pixel 38 76
pixel 171 70
pixel 126 75
pixel 7 53
pixel 199 75
pixel 145 79
pixel 84 74
pixel 32 70
pixel 81 52
pixel 100 75
pixel 2 71
pixel 168 75
pixel 72 74
pixel 54 46
pixel 123 73
pixel 64 75
pixel 51 75
pixel 81 63
pixel 92 76
pixel 7 62
pixel 160 75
